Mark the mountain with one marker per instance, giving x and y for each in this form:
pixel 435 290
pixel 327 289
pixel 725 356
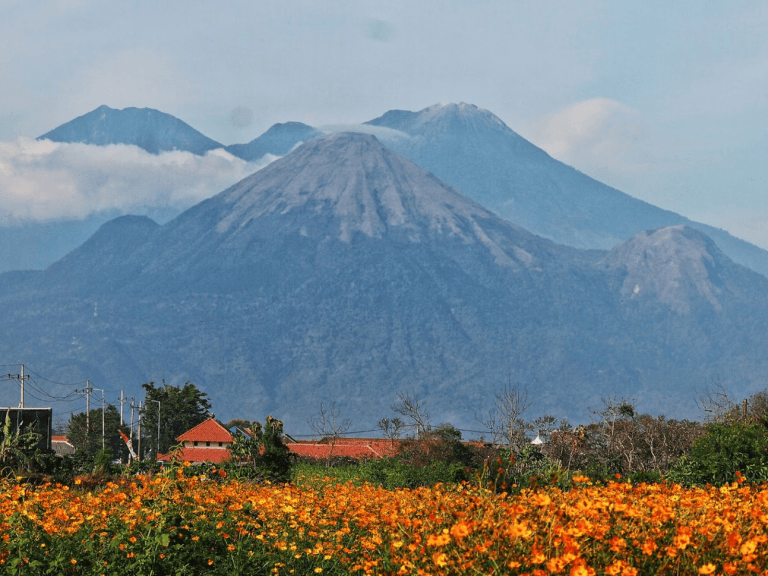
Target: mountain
pixel 149 129
pixel 345 273
pixel 474 151
pixel 103 255
pixel 677 265
pixel 279 140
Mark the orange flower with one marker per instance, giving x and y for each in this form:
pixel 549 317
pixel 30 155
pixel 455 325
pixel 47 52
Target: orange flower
pixel 440 559
pixel 460 530
pixel 748 547
pixel 707 568
pixel 579 570
pixel 649 547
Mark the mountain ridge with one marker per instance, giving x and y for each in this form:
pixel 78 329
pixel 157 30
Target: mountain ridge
pixel 278 140
pixel 475 152
pixel 147 128
pixel 260 297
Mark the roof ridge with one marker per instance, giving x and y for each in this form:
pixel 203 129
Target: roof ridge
pixel 204 422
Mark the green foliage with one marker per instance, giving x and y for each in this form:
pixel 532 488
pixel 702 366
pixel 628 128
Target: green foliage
pixel 390 473
pixel 87 437
pixel 263 452
pixel 17 448
pixel 443 444
pixel 508 470
pixel 180 409
pixel 393 473
pixel 724 450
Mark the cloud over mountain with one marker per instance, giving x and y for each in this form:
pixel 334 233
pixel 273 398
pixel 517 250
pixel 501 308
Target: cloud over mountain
pixel 44 180
pixel 605 138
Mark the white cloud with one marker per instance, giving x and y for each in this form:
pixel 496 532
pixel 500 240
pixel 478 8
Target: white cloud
pixel 615 144
pixel 44 180
pixel 597 132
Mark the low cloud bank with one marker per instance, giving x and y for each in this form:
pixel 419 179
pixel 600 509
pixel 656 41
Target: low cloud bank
pixel 44 180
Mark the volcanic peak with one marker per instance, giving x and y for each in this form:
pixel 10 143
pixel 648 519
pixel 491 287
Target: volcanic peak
pixel 368 187
pixel 673 263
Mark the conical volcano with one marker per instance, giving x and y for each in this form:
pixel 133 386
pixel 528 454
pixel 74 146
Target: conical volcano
pixel 334 193
pixel 345 273
pixel 474 151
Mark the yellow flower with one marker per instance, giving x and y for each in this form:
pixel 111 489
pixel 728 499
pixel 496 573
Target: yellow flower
pixel 440 559
pixel 707 568
pixel 748 547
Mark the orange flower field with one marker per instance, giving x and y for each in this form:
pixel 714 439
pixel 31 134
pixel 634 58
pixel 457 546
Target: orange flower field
pixel 174 524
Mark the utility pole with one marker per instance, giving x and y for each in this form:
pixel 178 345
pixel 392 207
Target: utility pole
pixel 122 401
pixel 22 386
pixel 158 427
pixel 139 431
pixel 22 379
pixel 102 414
pixel 133 406
pixel 87 393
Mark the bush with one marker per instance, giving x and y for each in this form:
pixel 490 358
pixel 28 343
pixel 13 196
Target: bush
pixel 724 450
pixel 508 470
pixel 262 455
pixel 393 473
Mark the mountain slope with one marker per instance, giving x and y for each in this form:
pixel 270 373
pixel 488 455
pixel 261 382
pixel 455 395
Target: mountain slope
pixel 474 151
pixel 103 255
pixel 149 129
pixel 279 140
pixel 344 272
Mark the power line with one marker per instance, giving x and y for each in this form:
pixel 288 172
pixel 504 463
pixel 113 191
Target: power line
pixel 55 382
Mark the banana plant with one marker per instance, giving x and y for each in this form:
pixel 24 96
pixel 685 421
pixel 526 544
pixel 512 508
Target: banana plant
pixel 15 446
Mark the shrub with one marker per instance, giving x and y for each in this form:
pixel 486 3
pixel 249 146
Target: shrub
pixel 724 450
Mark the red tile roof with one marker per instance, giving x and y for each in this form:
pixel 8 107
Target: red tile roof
pixel 215 455
pixel 208 431
pixel 60 439
pixel 352 447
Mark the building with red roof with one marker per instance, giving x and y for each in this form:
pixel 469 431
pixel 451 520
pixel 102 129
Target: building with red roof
pixel 350 447
pixel 209 441
pixel 61 445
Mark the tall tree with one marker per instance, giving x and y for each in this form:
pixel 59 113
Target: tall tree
pixel 88 438
pixel 181 408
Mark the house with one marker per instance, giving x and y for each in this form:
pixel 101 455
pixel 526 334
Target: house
pixel 61 445
pixel 209 441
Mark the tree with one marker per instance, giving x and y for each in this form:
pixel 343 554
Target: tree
pixel 724 451
pixel 181 408
pixel 716 403
pixel 240 423
pixel 326 425
pixel 264 450
pixel 391 428
pixel 506 421
pixel 412 408
pixel 88 439
pixel 16 446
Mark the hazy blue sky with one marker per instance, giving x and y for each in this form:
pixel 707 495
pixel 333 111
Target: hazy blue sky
pixel 666 101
